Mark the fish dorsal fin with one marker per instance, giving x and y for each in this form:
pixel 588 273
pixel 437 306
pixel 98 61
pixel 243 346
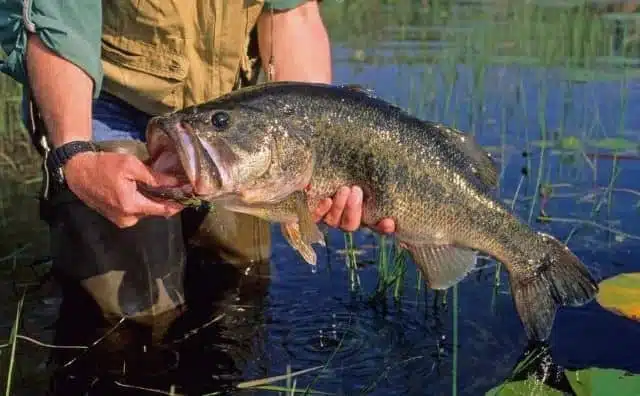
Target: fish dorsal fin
pixel 442 265
pixel 358 88
pixel 481 163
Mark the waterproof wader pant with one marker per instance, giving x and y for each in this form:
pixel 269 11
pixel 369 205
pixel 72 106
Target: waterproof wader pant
pixel 138 271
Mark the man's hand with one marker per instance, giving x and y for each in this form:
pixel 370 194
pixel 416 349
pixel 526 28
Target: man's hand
pixel 106 182
pixel 344 211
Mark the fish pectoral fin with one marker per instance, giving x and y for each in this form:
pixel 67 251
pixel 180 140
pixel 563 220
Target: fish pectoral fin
pixel 292 234
pixel 307 227
pixel 305 232
pixel 442 265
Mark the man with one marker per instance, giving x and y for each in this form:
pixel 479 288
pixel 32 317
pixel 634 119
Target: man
pixel 135 59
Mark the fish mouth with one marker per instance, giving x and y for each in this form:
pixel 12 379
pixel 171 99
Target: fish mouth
pixel 175 149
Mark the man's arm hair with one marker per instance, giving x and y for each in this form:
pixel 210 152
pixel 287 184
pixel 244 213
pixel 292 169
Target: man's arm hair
pixel 62 92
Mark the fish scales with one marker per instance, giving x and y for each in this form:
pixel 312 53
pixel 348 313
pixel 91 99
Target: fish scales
pixel 410 174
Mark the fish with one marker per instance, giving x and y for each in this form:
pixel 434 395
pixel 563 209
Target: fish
pixel 275 149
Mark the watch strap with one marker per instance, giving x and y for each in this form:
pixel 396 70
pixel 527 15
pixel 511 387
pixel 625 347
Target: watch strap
pixel 59 156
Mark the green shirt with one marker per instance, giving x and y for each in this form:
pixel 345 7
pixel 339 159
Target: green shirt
pixel 70 28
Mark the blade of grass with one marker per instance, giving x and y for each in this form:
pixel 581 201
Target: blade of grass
pixel 13 340
pixel 454 365
pixel 269 380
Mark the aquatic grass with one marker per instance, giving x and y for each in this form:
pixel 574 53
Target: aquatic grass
pixel 9 109
pixel 606 198
pixel 543 136
pixel 264 384
pixel 13 341
pixel 383 266
pixel 351 261
pixel 454 359
pixel 288 376
pixel 590 223
pixel 391 264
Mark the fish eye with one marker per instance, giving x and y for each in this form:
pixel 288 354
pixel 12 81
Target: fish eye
pixel 220 120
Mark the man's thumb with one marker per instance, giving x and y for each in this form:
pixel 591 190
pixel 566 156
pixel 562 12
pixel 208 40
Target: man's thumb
pixel 141 173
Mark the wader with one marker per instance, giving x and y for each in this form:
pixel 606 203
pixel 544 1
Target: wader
pixel 158 56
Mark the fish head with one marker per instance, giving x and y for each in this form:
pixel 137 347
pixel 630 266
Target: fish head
pixel 244 152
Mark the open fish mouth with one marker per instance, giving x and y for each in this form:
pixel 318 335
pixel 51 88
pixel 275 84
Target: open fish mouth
pixel 176 150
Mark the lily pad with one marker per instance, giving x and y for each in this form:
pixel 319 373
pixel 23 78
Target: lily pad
pixel 621 295
pixel 530 386
pixel 601 382
pixel 593 381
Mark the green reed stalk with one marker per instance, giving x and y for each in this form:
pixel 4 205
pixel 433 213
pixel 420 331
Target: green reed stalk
pixel 351 261
pixel 13 340
pixel 543 136
pixel 454 366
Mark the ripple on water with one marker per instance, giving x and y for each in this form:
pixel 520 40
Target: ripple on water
pixel 363 345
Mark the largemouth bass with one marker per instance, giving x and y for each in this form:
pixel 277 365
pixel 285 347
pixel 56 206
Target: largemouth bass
pixel 275 150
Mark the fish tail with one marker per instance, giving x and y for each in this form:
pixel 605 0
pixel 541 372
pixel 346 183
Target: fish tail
pixel 560 279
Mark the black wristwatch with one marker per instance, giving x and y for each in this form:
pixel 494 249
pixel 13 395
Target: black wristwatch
pixel 59 156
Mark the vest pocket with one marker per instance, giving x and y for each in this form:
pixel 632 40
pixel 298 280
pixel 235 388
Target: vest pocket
pixel 149 77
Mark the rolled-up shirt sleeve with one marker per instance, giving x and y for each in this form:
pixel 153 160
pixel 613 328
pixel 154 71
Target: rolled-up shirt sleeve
pixel 70 28
pixel 282 4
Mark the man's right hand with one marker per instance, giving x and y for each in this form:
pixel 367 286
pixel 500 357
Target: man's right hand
pixel 106 182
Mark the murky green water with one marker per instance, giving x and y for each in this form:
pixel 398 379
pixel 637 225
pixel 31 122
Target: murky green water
pixel 551 88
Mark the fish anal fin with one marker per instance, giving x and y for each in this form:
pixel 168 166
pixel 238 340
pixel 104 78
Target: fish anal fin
pixel 442 265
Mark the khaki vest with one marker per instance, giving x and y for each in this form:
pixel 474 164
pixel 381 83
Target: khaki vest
pixel 162 55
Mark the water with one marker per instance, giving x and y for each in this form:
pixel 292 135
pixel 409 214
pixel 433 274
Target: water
pixel 518 78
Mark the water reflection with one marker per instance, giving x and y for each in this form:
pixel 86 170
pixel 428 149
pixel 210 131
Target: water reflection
pixel 201 349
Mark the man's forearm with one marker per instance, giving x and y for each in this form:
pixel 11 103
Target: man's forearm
pixel 62 91
pixel 300 44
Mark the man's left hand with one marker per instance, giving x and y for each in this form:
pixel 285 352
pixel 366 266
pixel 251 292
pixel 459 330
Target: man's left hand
pixel 344 211
pixel 300 50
